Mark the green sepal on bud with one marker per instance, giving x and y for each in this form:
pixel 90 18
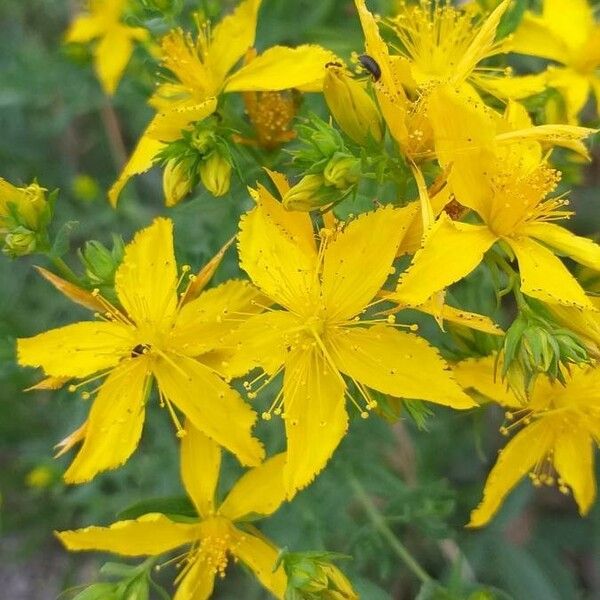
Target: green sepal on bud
pixel 313 576
pixel 351 106
pixel 100 263
pixel 535 344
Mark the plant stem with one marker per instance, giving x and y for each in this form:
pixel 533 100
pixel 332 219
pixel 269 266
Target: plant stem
pixel 381 526
pixel 63 268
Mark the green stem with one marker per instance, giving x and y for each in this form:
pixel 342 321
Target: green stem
pixel 381 526
pixel 63 268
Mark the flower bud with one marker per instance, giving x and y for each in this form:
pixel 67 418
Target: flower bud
pixel 306 194
pixel 342 171
pixel 177 182
pixel 215 173
pixel 351 106
pixel 20 241
pixel 311 575
pixel 100 263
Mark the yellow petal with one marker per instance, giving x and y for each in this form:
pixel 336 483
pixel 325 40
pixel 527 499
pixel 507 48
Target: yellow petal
pixel 460 317
pixel 519 456
pixel 74 293
pixel 315 416
pixel 482 45
pixel 203 323
pixel 198 583
pixel 77 350
pixel 151 534
pixel 397 363
pixel 84 29
pixel 167 125
pixel 357 262
pixel 261 342
pixel 390 94
pixel 514 87
pixel 146 280
pixel 259 491
pixel 231 37
pixel 575 29
pixel 481 374
pixel 574 87
pixel 276 263
pixel 111 57
pixel 574 461
pixel 583 250
pixel 459 143
pixel 200 466
pixel 139 162
pixel 115 422
pixel 210 404
pixel 283 68
pixel 535 37
pixel 260 556
pixel 431 270
pixel 543 276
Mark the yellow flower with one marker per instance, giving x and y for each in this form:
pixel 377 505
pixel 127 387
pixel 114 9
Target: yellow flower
pixel 156 335
pixel 565 32
pixel 219 532
pixel 116 40
pixel 559 428
pixel 507 185
pixel 317 335
pixel 28 204
pixel 204 69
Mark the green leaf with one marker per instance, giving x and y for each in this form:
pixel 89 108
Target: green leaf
pixel 172 506
pixel 62 240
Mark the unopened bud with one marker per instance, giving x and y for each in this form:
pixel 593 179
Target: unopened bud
pixel 342 171
pixel 215 173
pixel 177 182
pixel 305 195
pixel 20 242
pixel 100 263
pixel 351 106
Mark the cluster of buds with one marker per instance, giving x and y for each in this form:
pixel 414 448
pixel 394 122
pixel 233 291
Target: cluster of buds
pixel 25 213
pixel 535 344
pixel 313 576
pixel 331 171
pixel 200 155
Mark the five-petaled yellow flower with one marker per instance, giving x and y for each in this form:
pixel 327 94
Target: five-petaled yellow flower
pixel 115 39
pixel 219 532
pixel 317 334
pixel 565 32
pixel 156 334
pixel 202 70
pixel 560 429
pixel 506 185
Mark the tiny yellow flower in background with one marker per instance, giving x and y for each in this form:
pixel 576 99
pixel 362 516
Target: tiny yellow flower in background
pixel 566 32
pixel 115 42
pixel 317 336
pixel 155 335
pixel 203 69
pixel 40 477
pixel 558 430
pixel 219 532
pixel 506 182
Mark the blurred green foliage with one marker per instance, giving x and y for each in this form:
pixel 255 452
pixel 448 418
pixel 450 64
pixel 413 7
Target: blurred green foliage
pixel 58 127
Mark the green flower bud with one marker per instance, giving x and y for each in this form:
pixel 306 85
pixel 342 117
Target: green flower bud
pixel 177 182
pixel 351 106
pixel 342 171
pixel 100 263
pixel 20 241
pixel 306 194
pixel 215 174
pixel 312 576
